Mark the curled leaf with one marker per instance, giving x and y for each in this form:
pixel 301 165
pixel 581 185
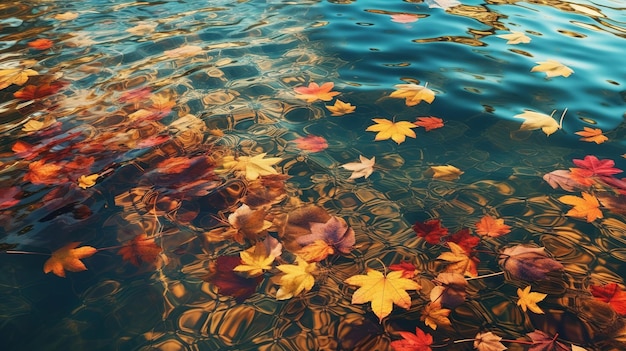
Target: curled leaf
pixel 528 263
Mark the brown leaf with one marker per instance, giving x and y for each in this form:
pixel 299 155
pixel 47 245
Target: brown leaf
pixel 140 249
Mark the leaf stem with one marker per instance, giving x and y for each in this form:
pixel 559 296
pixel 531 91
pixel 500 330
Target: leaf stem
pixel 26 252
pixel 486 275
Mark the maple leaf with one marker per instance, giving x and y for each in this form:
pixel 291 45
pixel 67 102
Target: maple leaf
pixel 492 227
pixel 228 282
pixel 255 260
pixel 464 239
pixel 562 178
pixel 17 76
pixel 335 232
pixel 68 258
pixel 183 51
pixel 413 94
pixel 586 207
pixel 552 68
pixel 404 18
pixel 35 125
pixel 488 342
pixel 87 181
pixel 452 289
pixel 612 294
pixel 447 172
pixel 295 278
pixel 248 223
pixel 535 120
pixel 435 315
pixel 396 131
pixel 252 167
pixel 33 92
pixel 316 251
pixel 596 167
pixel 41 44
pixel 316 92
pixel 419 341
pixel 592 135
pixel 528 300
pixel 66 16
pixel 431 230
pixel 408 269
pixel 429 123
pixel 364 168
pixel 383 291
pixel 515 38
pixel 340 108
pixel 140 249
pixel 311 143
pixel 266 190
pixel 545 342
pixel 40 172
pixel 459 260
pixel 528 263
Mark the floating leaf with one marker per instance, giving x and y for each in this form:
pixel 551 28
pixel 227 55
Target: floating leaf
pixel 255 260
pixel 311 143
pixel 545 342
pixel 17 76
pixel 295 278
pixel 528 263
pixel 597 167
pixel 431 230
pixel 413 94
pixel 535 120
pixel 364 168
pixel 442 4
pixel 340 108
pixel 586 207
pixel 316 251
pixel 32 92
pixel 229 283
pixel 408 269
pixel 252 167
pixel 42 173
pixel 404 18
pixel 561 178
pixel 316 92
pixel 459 261
pixel 552 68
pixel 382 291
pixel 612 294
pixel 35 125
pixel 248 223
pixel 66 16
pixel 434 315
pixel 492 227
pixel 515 38
pixel 335 232
pixel 419 341
pixel 41 44
pixel 488 342
pixel 141 249
pixel 464 239
pixel 396 131
pixel 452 289
pixel 87 181
pixel 429 123
pixel 446 172
pixel 592 135
pixel 266 190
pixel 68 258
pixel 528 300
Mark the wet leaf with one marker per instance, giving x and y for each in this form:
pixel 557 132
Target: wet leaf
pixel 396 131
pixel 429 123
pixel 316 92
pixel 434 315
pixel 340 108
pixel 464 239
pixel 535 120
pixel 552 68
pixel 140 249
pixel 41 44
pixel 459 261
pixel 32 92
pixel 419 341
pixel 266 190
pixel 17 76
pixel 408 269
pixel 335 232
pixel 413 94
pixel 612 294
pixel 586 207
pixel 42 173
pixel 597 167
pixel 404 18
pixel 545 342
pixel 248 223
pixel 252 167
pixel 488 342
pixel 592 135
pixel 515 38
pixel 87 181
pixel 7 197
pixel 311 143
pixel 68 258
pixel 255 261
pixel 528 300
pixel 431 230
pixel 528 263
pixel 295 278
pixel 562 178
pixel 364 168
pixel 382 291
pixel 35 125
pixel 452 289
pixel 66 16
pixel 493 227
pixel 228 282
pixel 316 251
pixel 447 172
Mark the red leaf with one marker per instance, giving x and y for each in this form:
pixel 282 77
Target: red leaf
pixel 613 295
pixel 429 123
pixel 41 44
pixel 464 239
pixel 419 341
pixel 24 150
pixel 7 197
pixel 32 92
pixel 596 166
pixel 408 269
pixel 545 342
pixel 228 282
pixel 312 143
pixel 140 249
pixel 431 230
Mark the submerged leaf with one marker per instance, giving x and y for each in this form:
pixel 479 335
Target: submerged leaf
pixel 408 269
pixel 447 172
pixel 252 167
pixel 228 282
pixel 493 227
pixel 311 143
pixel 528 263
pixel 459 261
pixel 431 230
pixel 335 232
pixel 140 249
pixel 612 294
pixel 404 18
pixel 68 258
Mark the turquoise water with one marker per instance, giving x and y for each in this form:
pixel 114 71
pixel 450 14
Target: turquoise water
pixel 123 100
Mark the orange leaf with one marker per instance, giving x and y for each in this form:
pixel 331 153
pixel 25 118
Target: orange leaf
pixel 592 135
pixel 316 251
pixel 173 165
pixel 429 123
pixel 31 92
pixel 586 207
pixel 41 44
pixel 492 227
pixel 41 173
pixel 140 249
pixel 316 92
pixel 68 258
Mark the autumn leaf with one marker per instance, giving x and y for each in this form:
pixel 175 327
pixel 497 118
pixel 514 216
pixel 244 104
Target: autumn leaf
pixel 41 44
pixel 66 16
pixel 17 76
pixel 316 92
pixel 87 181
pixel 335 232
pixel 597 167
pixel 429 123
pixel 32 92
pixel 266 190
pixel 383 291
pixel 404 18
pixel 7 197
pixel 552 68
pixel 228 282
pixel 459 261
pixel 434 315
pixel 295 278
pixel 535 120
pixel 447 172
pixel 311 143
pixel 364 168
pixel 545 342
pixel 316 251
pixel 183 51
pixel 252 167
pixel 431 230
pixel 42 173
pixel 515 38
pixel 528 263
pixel 592 135
pixel 397 131
pixel 340 108
pixel 248 223
pixel 68 258
pixel 419 341
pixel 562 178
pixel 34 125
pixel 493 227
pixel 528 300
pixel 464 239
pixel 488 342
pixel 408 269
pixel 140 249
pixel 586 207
pixel 255 260
pixel 612 294
pixel 451 290
pixel 413 94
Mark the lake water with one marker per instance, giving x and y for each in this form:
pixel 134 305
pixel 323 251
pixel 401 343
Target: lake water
pixel 126 126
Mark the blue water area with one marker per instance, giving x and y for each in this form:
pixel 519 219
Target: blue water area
pixel 182 175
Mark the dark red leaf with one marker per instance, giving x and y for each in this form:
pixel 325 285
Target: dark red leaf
pixel 612 294
pixel 464 239
pixel 32 92
pixel 545 342
pixel 408 269
pixel 431 230
pixel 229 283
pixel 140 249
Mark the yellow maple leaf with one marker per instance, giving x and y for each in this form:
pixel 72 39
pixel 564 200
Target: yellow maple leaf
pixel 34 125
pixel 413 93
pixel 255 260
pixel 295 278
pixel 252 167
pixel 515 38
pixel 397 131
pixel 586 207
pixel 383 291
pixel 17 76
pixel 446 172
pixel 535 120
pixel 434 315
pixel 87 181
pixel 68 258
pixel 340 108
pixel 552 68
pixel 592 135
pixel 528 300
pixel 460 262
pixel 316 92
